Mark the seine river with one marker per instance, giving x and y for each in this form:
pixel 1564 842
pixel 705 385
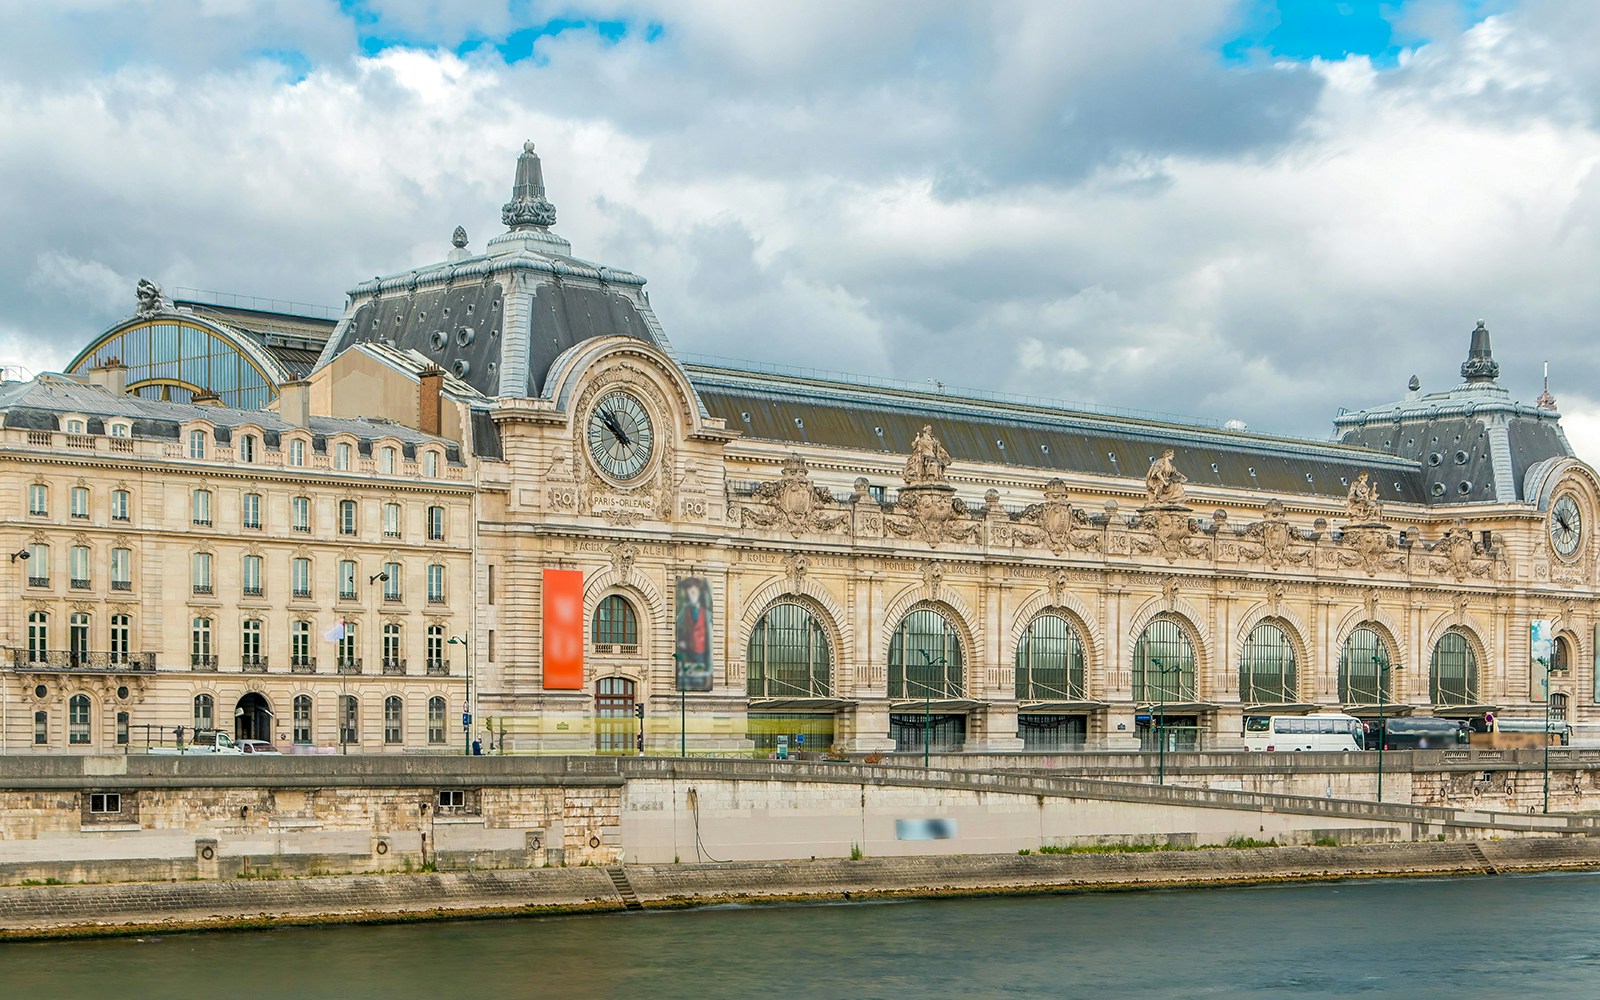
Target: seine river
pixel 1517 936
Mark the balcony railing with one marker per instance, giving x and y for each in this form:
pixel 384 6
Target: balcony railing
pixel 394 665
pixel 202 588
pixel 79 583
pixel 121 584
pixel 38 581
pixel 253 664
pixel 438 668
pixel 69 659
pixel 349 664
pixel 347 595
pixel 435 598
pixel 302 592
pixel 203 661
pixel 254 591
pixel 391 598
pixel 302 664
pixel 302 527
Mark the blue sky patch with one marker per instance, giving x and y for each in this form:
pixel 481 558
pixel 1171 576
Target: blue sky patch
pixel 1334 29
pixel 374 36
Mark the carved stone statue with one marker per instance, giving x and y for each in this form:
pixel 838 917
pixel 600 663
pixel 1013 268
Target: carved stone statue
pixel 151 301
pixel 1163 484
pixel 1363 502
pixel 928 459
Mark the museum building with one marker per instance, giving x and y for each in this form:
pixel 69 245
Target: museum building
pixel 886 565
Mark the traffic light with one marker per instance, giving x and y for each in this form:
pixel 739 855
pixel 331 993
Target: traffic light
pixel 638 711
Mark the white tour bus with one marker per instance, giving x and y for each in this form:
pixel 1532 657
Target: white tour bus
pixel 1317 731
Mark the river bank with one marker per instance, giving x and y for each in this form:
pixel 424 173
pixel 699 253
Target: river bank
pixel 65 911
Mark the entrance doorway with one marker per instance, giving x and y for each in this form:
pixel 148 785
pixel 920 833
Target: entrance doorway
pixel 252 718
pixel 614 724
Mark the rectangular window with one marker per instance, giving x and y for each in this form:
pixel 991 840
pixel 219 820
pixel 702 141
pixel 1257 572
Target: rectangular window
pixel 393 708
pixel 197 444
pixel 391 520
pixel 202 508
pixel 247 448
pixel 252 576
pixel 430 464
pixel 119 505
pixel 251 515
pixel 78 566
pixel 391 583
pixel 39 500
pixel 250 643
pixel 300 576
pixel 349 720
pixel 347 580
pixel 121 569
pixel 341 458
pixel 452 799
pixel 38 565
pixel 302 719
pixel 489 587
pixel 120 635
pixel 347 517
pixel 386 462
pixel 201 569
pixel 300 644
pixel 300 511
pixel 80 502
pixel 435 584
pixel 41 728
pixel 101 803
pixel 122 729
pixel 349 659
pixel 435 524
pixel 297 452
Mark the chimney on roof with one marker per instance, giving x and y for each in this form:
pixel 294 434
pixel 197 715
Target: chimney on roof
pixel 205 397
pixel 111 376
pixel 430 383
pixel 294 402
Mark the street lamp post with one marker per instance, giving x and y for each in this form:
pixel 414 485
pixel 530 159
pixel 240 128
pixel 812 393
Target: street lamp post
pixel 927 708
pixel 1383 668
pixel 1545 681
pixel 1161 720
pixel 467 713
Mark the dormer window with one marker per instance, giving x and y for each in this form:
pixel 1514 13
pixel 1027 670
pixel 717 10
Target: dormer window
pixel 297 452
pixel 386 460
pixel 120 430
pixel 77 425
pixel 197 444
pixel 341 457
pixel 430 464
pixel 247 448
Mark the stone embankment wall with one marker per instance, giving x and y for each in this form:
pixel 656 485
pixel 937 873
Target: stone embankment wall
pixel 105 819
pixel 54 911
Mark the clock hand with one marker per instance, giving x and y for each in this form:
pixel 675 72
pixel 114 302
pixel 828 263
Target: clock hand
pixel 611 421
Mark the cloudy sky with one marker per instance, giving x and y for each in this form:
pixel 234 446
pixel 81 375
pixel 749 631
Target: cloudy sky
pixel 1235 209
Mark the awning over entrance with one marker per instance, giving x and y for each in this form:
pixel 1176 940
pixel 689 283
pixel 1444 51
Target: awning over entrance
pixel 1464 711
pixel 945 705
pixel 1282 708
pixel 1060 707
pixel 1371 711
pixel 1180 708
pixel 800 704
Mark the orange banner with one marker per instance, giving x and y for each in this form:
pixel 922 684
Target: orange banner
pixel 563 630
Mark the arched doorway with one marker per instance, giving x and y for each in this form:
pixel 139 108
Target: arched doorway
pixel 252 718
pixel 614 724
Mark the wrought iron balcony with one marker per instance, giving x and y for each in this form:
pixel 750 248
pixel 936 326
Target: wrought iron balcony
pixel 394 665
pixel 254 591
pixel 83 660
pixel 38 581
pixel 303 592
pixel 349 664
pixel 203 661
pixel 202 588
pixel 302 664
pixel 121 584
pixel 253 664
pixel 80 583
pixel 438 668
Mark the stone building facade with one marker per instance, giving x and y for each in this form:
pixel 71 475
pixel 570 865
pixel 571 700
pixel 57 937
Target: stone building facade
pixel 895 567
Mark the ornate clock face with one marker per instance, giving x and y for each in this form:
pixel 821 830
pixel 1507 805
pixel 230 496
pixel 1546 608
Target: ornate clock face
pixel 621 438
pixel 1566 525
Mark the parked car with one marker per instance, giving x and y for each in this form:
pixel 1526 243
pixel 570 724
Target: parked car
pixel 257 747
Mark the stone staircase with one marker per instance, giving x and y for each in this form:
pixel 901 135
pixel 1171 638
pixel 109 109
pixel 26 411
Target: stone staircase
pixel 619 879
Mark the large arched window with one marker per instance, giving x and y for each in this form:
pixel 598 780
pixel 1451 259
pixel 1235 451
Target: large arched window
pixel 925 657
pixel 615 622
pixel 1361 661
pixel 789 656
pixel 1453 674
pixel 1163 663
pixel 1267 667
pixel 1050 661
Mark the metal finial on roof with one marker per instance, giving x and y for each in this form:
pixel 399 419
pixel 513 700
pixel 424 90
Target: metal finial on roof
pixel 458 239
pixel 528 207
pixel 1545 400
pixel 1480 365
pixel 1414 384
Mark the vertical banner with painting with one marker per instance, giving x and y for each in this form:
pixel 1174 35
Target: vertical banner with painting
pixel 1543 644
pixel 694 633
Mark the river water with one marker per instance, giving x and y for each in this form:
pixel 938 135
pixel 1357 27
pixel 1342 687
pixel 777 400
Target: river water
pixel 1512 936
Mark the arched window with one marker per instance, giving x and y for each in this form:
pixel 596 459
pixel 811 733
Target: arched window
pixel 616 623
pixel 197 444
pixel 925 657
pixel 1359 668
pixel 436 719
pixel 1050 661
pixel 1267 668
pixel 205 712
pixel 393 710
pixel 1453 674
pixel 789 656
pixel 1163 664
pixel 78 719
pixel 1561 656
pixel 38 636
pixel 302 718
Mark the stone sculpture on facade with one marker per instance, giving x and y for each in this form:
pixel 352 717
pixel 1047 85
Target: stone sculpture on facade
pixel 1458 555
pixel 928 459
pixel 1273 540
pixel 793 501
pixel 1362 501
pixel 1060 525
pixel 928 508
pixel 1163 483
pixel 151 301
pixel 1368 541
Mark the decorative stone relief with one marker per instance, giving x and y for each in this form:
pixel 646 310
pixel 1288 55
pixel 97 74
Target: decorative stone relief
pixel 794 568
pixel 622 559
pixel 932 580
pixel 1458 555
pixel 1362 501
pixel 1171 533
pixel 1061 525
pixel 793 502
pixel 927 507
pixel 1371 547
pixel 149 298
pixel 1272 540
